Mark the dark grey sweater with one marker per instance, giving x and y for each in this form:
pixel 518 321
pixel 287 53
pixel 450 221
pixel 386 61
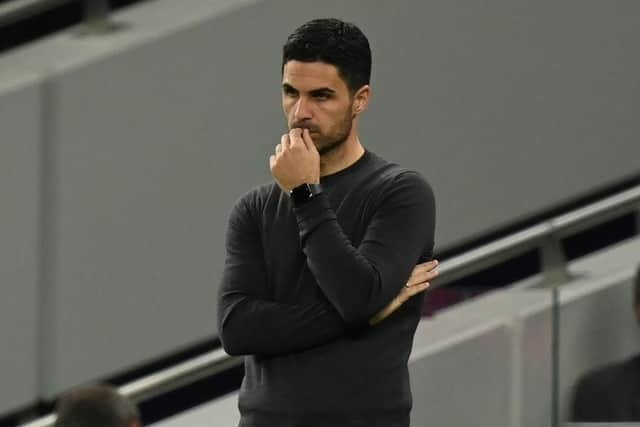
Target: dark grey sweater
pixel 300 284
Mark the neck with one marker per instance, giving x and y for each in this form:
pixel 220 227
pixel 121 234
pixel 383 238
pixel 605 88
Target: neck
pixel 342 157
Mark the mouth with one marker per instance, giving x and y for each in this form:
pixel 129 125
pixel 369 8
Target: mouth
pixel 309 128
pixel 313 133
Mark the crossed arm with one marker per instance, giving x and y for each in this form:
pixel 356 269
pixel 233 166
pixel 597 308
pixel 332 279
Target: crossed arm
pixel 267 327
pixel 361 280
pixel 250 322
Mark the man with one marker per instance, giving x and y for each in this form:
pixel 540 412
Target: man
pixel 316 288
pixel 96 406
pixel 611 393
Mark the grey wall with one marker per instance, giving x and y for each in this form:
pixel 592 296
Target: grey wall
pixel 462 379
pixel 507 107
pixel 151 133
pixel 19 197
pixel 492 101
pixel 137 242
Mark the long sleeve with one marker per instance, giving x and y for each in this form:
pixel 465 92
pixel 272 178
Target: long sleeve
pixel 359 281
pixel 249 321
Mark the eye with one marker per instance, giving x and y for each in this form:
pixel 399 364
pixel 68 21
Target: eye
pixel 323 96
pixel 288 91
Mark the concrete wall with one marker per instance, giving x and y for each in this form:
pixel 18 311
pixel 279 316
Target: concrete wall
pixel 19 225
pixel 137 206
pixel 150 134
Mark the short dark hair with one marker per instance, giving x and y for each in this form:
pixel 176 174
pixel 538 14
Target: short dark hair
pixel 333 42
pixel 95 406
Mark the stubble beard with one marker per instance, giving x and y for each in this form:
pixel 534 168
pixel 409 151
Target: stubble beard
pixel 329 144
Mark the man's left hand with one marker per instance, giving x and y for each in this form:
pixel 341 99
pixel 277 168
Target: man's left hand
pixel 296 160
pixel 419 281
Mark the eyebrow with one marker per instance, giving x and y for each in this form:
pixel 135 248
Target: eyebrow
pixel 314 92
pixel 322 91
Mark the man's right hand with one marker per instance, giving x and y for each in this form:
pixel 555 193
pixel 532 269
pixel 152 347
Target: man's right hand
pixel 419 280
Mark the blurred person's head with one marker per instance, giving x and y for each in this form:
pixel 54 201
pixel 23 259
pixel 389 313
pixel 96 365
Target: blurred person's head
pixel 326 68
pixel 96 406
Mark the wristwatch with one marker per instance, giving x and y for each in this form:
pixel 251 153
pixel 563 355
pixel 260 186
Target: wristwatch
pixel 303 193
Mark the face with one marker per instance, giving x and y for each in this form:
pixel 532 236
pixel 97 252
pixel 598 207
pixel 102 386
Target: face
pixel 314 96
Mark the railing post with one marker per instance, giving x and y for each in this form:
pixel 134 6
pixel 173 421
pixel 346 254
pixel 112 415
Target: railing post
pixel 555 273
pixel 554 263
pixel 96 17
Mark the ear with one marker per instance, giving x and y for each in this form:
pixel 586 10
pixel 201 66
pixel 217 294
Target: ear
pixel 361 100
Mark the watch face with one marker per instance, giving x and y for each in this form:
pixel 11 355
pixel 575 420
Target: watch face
pixel 301 193
pixel 305 192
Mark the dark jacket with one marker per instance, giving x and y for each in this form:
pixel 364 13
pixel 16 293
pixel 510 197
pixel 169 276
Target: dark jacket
pixel 610 393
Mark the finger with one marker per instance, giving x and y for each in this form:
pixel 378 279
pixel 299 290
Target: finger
pixel 272 161
pixel 421 276
pixel 295 136
pixel 426 277
pixel 285 142
pixel 306 138
pixel 425 267
pixel 419 288
pixel 414 284
pixel 429 265
pixel 278 149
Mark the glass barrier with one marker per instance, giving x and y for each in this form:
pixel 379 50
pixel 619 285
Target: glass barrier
pixel 598 377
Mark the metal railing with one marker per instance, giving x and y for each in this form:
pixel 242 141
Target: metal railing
pixel 96 12
pixel 17 10
pixel 545 236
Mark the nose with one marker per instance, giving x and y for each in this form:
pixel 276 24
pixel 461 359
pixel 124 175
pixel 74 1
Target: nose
pixel 302 109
